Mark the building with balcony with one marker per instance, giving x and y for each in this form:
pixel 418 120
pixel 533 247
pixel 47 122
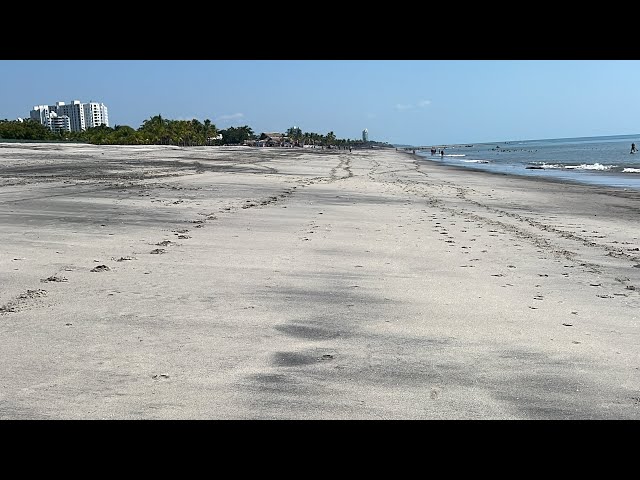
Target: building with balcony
pixel 80 116
pixel 95 114
pixel 59 123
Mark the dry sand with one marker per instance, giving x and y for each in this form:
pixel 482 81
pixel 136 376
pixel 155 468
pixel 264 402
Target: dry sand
pixel 243 283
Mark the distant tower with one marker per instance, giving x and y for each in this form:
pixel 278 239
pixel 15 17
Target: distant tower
pixel 365 135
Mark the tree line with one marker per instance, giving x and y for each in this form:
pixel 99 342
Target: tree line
pixel 161 131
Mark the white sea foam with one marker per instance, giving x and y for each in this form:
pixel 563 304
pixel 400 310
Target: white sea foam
pixel 590 166
pixel 475 161
pixel 631 170
pixel 549 165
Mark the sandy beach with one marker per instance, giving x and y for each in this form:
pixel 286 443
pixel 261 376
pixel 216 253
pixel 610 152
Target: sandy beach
pixel 157 282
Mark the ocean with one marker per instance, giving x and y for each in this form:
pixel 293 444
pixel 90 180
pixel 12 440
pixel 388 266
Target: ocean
pixel 604 161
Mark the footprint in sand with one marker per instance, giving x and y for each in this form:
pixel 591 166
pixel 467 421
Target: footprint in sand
pixel 100 268
pixel 20 300
pixel 54 278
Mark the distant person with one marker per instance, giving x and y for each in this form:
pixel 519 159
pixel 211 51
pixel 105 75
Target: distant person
pixel 441 153
pixel 633 148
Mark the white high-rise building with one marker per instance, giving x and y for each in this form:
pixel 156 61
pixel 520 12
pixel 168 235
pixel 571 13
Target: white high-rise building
pixel 58 123
pixel 74 111
pixel 95 114
pixel 365 135
pixel 41 114
pixel 80 116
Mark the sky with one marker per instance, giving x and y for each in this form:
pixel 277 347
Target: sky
pixel 402 102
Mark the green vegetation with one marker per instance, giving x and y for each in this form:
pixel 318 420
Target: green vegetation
pixel 27 130
pixel 160 131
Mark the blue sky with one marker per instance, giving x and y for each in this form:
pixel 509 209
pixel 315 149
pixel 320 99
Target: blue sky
pixel 413 102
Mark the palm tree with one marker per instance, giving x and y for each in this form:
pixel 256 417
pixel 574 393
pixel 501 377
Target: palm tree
pixel 207 127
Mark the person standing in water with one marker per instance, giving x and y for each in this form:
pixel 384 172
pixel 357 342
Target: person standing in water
pixel 633 148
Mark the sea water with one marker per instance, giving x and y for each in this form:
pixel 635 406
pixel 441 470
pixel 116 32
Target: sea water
pixel 605 161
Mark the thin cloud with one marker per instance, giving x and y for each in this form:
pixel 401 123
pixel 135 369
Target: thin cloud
pixel 230 118
pixel 411 106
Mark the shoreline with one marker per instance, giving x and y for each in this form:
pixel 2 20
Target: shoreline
pixel 561 180
pixel 245 283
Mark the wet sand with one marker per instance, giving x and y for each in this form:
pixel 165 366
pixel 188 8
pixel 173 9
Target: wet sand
pixel 155 282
